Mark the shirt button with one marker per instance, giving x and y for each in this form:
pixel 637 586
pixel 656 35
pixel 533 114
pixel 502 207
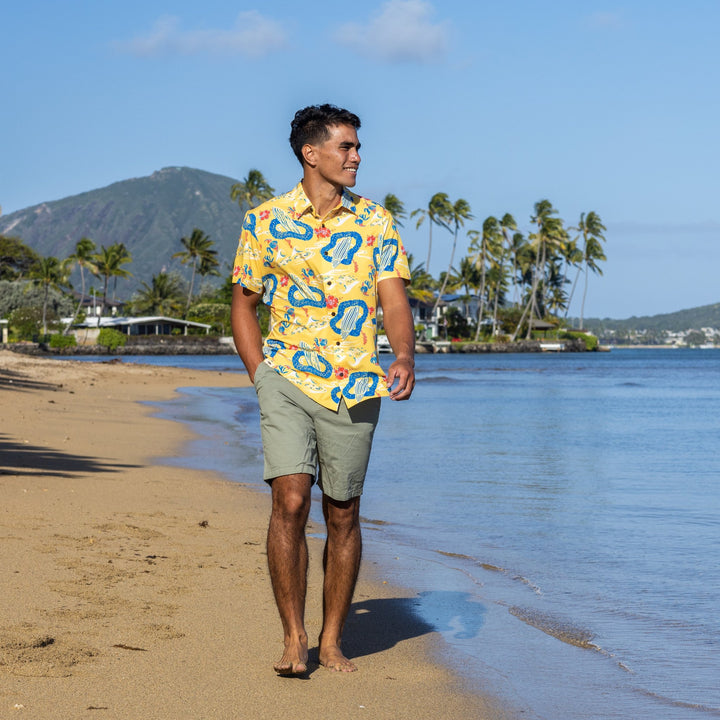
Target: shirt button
pixel 338 342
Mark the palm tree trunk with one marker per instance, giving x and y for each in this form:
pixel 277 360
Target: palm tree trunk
pixel 447 274
pixel 495 309
pixel 46 295
pixel 190 291
pixel 582 306
pixel 427 264
pixel 572 292
pixel 481 304
pixel 105 289
pixel 66 331
pixel 522 318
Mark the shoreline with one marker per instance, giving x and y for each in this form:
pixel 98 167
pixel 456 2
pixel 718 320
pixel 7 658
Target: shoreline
pixel 140 590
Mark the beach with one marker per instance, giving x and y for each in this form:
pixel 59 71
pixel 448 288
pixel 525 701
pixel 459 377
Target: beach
pixel 134 589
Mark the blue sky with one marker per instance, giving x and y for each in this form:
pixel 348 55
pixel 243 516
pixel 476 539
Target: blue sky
pixel 613 108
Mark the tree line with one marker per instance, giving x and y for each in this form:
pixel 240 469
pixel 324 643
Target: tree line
pixel 515 280
pixel 511 279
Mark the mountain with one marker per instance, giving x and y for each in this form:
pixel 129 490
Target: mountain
pixel 148 214
pixel 706 316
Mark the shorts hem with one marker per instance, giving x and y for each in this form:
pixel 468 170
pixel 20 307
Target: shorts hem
pixel 349 495
pixel 304 468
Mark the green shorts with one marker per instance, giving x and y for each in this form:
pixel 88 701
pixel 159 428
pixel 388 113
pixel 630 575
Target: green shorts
pixel 301 436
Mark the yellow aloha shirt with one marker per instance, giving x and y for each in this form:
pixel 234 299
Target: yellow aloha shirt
pixel 319 278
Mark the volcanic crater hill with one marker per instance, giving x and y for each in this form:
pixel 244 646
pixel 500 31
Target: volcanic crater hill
pixel 148 214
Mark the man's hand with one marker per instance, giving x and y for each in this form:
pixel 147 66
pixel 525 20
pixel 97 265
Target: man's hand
pixel 401 374
pixel 398 322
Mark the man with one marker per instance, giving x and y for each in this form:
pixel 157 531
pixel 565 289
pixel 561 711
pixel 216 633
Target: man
pixel 321 258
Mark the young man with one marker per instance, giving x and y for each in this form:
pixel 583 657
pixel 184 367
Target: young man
pixel 322 259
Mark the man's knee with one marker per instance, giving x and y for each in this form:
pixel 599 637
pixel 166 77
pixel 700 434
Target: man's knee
pixel 291 497
pixel 342 517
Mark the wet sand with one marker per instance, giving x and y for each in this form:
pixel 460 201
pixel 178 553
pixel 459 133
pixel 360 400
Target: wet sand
pixel 137 590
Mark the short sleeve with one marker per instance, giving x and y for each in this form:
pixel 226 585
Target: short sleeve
pixel 248 267
pixel 393 258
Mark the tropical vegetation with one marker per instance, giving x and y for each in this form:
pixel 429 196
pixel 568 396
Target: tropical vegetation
pixel 511 282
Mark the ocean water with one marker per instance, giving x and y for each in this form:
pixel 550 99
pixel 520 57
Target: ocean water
pixel 557 517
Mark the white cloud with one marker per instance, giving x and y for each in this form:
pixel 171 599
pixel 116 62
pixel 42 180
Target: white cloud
pixel 402 32
pixel 252 36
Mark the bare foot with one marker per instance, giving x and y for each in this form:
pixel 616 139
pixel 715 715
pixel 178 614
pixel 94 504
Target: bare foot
pixel 294 659
pixel 333 659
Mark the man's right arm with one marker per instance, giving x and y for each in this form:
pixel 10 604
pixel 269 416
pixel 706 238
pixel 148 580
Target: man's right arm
pixel 246 328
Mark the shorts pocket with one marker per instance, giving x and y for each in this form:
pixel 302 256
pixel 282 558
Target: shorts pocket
pixel 259 372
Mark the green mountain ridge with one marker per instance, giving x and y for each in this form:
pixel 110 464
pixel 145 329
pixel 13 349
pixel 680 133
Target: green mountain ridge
pixel 148 214
pixel 705 316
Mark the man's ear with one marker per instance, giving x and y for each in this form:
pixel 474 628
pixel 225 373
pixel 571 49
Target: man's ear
pixel 308 153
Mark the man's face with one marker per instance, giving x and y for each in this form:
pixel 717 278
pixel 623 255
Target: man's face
pixel 337 159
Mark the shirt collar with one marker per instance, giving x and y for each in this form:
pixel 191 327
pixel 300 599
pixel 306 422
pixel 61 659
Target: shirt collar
pixel 302 203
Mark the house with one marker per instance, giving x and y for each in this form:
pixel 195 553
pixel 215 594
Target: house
pixel 435 324
pixel 87 332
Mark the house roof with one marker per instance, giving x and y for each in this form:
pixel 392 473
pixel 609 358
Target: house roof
pixel 542 325
pixel 144 320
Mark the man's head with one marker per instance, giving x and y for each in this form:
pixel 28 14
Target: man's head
pixel 312 125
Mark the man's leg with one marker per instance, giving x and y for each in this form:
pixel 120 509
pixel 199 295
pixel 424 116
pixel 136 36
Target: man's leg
pixel 288 561
pixel 342 563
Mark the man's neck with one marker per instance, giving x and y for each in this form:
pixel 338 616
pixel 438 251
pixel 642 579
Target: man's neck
pixel 324 196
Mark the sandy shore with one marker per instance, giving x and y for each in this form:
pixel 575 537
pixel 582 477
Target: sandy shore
pixel 136 590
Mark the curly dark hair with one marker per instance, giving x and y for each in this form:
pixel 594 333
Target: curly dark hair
pixel 312 124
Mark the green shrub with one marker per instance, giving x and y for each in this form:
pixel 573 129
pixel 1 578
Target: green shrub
pixel 60 342
pixel 215 314
pixel 25 322
pixel 591 341
pixel 111 339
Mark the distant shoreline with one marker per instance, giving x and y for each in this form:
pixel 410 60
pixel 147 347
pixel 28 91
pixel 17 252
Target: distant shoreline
pixel 223 346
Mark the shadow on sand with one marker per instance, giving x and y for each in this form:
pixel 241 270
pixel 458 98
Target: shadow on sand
pixel 377 625
pixel 11 380
pixel 17 458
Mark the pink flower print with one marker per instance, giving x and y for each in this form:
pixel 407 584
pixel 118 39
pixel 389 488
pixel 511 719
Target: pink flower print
pixel 322 232
pixel 370 240
pixel 341 373
pixel 236 272
pixel 265 214
pixel 284 280
pixel 331 301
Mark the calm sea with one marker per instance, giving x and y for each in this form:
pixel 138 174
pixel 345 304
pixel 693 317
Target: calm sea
pixel 557 516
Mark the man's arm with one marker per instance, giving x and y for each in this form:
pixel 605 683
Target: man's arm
pixel 398 322
pixel 246 328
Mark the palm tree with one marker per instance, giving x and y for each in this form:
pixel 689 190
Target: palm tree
pixel 437 213
pixel 108 263
pixel 487 246
pixel 508 225
pixel 591 229
pixel 395 207
pixel 162 297
pixel 573 257
pixel 467 277
pixel 421 282
pixel 456 214
pixel 82 257
pixel 546 242
pixel 253 187
pixel 197 250
pixel 49 273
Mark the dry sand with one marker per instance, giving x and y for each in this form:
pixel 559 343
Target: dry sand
pixel 133 590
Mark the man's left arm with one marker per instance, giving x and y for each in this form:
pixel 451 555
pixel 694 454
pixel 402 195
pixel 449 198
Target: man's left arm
pixel 398 322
